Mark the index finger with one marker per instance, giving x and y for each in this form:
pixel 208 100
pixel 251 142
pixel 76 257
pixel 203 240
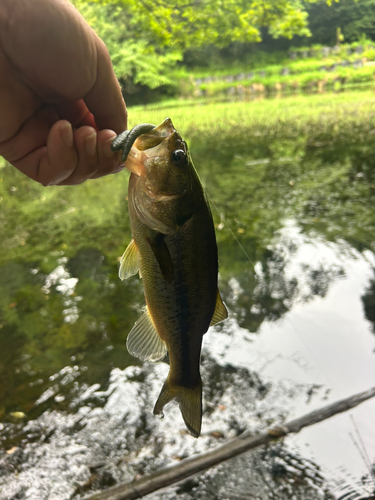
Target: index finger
pixel 105 99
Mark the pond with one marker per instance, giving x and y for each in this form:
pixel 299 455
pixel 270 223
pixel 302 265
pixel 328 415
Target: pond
pixel 293 203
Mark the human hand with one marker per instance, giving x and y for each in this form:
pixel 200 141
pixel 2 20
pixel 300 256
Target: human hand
pixel 60 102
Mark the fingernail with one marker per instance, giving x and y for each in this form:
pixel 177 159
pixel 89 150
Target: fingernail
pixel 66 134
pixel 107 147
pixel 90 144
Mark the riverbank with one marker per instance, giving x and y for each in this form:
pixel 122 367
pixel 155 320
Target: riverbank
pixel 191 116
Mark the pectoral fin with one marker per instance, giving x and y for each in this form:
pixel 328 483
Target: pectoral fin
pixel 144 342
pixel 162 255
pixel 129 264
pixel 220 312
pixel 144 213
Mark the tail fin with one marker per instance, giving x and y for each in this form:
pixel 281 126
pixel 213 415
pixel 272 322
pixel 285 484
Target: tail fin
pixel 190 402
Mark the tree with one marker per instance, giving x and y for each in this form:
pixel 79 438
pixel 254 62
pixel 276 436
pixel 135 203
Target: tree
pixel 193 23
pixel 355 19
pixel 146 38
pixel 136 57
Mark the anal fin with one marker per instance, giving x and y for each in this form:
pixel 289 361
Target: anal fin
pixel 220 312
pixel 129 264
pixel 144 342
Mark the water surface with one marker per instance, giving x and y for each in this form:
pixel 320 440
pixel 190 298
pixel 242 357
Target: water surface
pixel 300 333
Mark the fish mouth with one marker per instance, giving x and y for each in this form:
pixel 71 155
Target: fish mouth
pixel 156 136
pixel 158 140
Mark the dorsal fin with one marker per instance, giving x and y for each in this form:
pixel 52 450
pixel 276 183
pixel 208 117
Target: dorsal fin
pixel 129 264
pixel 144 342
pixel 220 312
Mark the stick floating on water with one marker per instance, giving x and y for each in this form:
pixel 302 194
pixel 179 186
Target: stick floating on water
pixel 245 442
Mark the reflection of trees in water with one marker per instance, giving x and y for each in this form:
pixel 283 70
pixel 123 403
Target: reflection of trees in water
pixel 272 294
pixel 268 297
pixel 368 300
pixel 39 335
pixel 341 185
pixel 322 177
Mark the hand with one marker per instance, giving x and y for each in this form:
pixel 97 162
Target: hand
pixel 60 102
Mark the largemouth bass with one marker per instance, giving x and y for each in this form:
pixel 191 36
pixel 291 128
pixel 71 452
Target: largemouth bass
pixel 174 249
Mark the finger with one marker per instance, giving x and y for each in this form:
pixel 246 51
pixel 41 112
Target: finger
pixel 85 141
pixel 94 163
pixel 75 112
pixel 89 120
pixel 105 100
pixel 109 161
pixel 61 158
pixel 63 163
pixel 31 136
pixel 53 162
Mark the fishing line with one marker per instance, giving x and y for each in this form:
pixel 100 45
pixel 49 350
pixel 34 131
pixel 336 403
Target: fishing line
pixel 365 456
pixel 317 364
pixel 360 451
pixel 222 217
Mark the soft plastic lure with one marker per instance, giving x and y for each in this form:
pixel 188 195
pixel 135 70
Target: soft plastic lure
pixel 126 139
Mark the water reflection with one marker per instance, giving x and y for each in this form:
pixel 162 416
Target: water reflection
pixel 301 206
pixel 270 294
pixel 368 299
pixel 235 400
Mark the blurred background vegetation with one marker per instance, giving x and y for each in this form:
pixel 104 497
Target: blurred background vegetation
pixel 162 50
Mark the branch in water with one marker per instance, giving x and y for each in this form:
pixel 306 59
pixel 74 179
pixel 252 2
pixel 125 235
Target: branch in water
pixel 245 442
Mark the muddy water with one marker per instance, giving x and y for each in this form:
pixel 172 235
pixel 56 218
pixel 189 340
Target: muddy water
pixel 76 408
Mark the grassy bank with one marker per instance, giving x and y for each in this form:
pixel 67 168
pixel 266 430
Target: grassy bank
pixel 290 115
pixel 299 60
pixel 306 69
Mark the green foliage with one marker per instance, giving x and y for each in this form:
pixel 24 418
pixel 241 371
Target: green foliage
pixel 136 59
pixel 295 116
pixel 196 23
pixel 369 54
pixel 354 18
pixel 309 81
pixel 147 40
pixel 361 75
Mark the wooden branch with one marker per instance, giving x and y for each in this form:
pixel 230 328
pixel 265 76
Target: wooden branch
pixel 190 466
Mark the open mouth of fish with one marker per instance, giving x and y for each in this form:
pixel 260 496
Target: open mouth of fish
pixel 155 143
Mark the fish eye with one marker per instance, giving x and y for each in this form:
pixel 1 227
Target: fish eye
pixel 179 157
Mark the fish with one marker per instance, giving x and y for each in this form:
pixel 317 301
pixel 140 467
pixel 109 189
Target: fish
pixel 173 247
